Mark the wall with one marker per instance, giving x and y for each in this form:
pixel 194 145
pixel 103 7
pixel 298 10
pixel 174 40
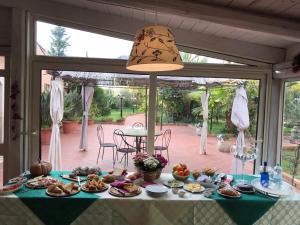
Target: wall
pixel 5 26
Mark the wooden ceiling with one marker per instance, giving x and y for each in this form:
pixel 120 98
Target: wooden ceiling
pixel 178 17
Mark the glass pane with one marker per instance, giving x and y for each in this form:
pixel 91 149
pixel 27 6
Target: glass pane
pixel 119 101
pixel 291 133
pixel 2 95
pixel 180 110
pixel 55 40
pixel 2 62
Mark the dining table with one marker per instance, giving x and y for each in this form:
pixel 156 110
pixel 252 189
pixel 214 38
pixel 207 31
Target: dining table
pixel 35 207
pixel 140 134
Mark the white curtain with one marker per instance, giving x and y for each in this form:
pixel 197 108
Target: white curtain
pixel 203 137
pixel 56 113
pixel 240 118
pixel 87 98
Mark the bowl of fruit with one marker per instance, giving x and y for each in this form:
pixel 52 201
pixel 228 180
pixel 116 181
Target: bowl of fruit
pixel 180 172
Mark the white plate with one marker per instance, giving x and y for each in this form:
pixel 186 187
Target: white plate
pixel 156 189
pixel 193 191
pixel 168 183
pixel 273 190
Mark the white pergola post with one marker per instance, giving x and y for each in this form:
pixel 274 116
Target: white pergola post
pixel 151 114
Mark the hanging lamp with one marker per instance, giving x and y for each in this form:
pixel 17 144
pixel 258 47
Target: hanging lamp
pixel 154 49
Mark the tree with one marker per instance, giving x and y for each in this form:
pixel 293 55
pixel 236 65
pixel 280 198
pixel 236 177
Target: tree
pixel 192 58
pixel 59 41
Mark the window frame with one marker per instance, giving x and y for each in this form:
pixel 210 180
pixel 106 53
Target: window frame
pixel 261 71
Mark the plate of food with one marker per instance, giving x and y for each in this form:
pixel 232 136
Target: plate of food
pixel 209 171
pixel 173 183
pixel 62 190
pixel 7 189
pixel 156 189
pixel 124 190
pixel 94 184
pixel 229 192
pixel 72 177
pixel 194 187
pixel 19 179
pixel 41 182
pixel 109 178
pixel 244 188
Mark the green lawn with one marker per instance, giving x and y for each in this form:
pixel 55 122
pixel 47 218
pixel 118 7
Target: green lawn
pixel 287 156
pixel 115 115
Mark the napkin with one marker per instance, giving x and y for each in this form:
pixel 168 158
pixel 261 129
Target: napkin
pixel 119 184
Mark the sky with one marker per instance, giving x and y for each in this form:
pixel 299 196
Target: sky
pixel 93 45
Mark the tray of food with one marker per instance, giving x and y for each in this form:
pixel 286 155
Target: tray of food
pixel 40 182
pixel 229 192
pixel 125 190
pixel 19 179
pixel 72 177
pixel 7 189
pixel 194 187
pixel 273 189
pixel 94 184
pixel 62 190
pixel 84 171
pixel 173 183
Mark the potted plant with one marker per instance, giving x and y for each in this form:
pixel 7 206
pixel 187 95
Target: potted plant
pixel 46 121
pixel 149 166
pixel 72 111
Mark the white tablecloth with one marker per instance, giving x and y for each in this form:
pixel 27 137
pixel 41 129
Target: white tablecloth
pixel 145 210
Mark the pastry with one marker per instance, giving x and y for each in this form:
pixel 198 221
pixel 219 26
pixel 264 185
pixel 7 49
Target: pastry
pixel 229 191
pixel 245 187
pixel 131 188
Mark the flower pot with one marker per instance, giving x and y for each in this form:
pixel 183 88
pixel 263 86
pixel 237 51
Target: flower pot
pixel 70 126
pixel 149 176
pixel 45 136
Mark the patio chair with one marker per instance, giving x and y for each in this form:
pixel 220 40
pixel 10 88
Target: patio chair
pixel 165 141
pixel 144 140
pixel 122 146
pixel 102 144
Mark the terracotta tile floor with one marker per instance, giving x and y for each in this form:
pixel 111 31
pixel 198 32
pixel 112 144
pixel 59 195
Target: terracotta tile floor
pixel 184 147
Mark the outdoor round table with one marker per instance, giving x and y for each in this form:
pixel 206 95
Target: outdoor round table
pixel 138 133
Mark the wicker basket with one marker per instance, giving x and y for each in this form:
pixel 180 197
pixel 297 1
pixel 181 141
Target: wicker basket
pixel 158 173
pixel 181 178
pixel 149 176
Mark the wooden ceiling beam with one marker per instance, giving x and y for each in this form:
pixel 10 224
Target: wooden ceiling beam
pixel 281 27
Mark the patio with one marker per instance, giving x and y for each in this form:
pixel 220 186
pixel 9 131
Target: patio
pixel 186 151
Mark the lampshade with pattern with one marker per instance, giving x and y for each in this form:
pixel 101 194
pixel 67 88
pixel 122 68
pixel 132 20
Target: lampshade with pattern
pixel 154 49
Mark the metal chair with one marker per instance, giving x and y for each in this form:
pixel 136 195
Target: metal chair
pixel 165 141
pixel 122 146
pixel 144 140
pixel 102 144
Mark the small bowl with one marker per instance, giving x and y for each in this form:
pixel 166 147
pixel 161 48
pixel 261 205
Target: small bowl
pixel 175 190
pixel 181 178
pixel 181 194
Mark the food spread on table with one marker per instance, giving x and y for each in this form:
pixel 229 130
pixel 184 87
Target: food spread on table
pixel 180 172
pixel 94 184
pixel 41 182
pixel 61 190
